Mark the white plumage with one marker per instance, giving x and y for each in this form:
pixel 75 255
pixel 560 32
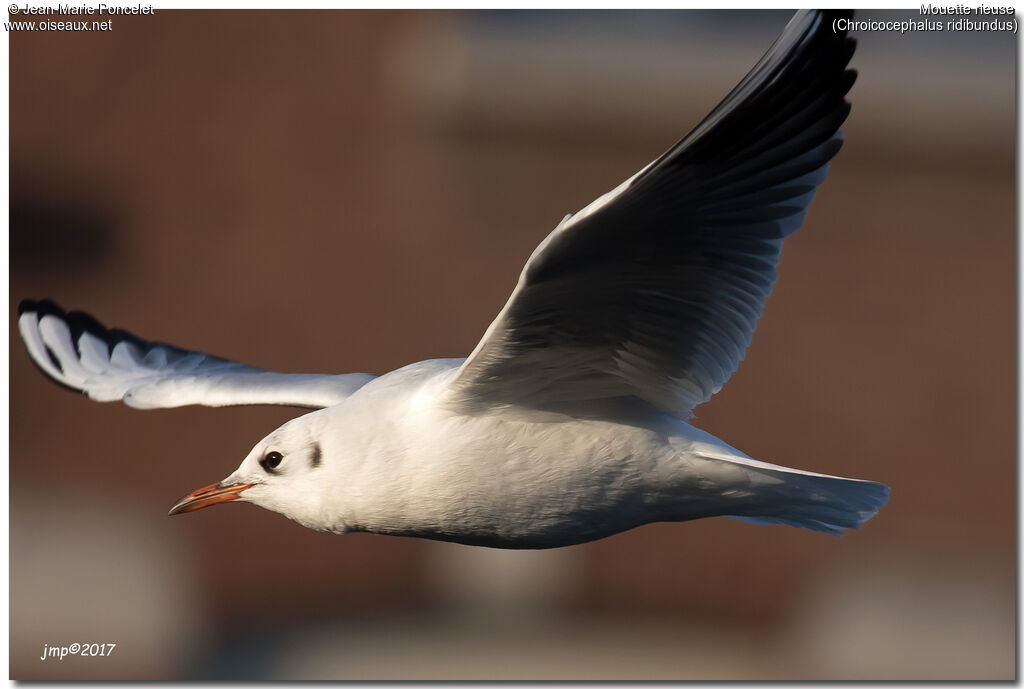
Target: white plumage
pixel 568 421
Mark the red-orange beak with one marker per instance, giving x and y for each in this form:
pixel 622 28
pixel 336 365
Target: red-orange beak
pixel 210 495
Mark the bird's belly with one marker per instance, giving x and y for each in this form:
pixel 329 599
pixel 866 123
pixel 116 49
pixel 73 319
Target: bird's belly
pixel 568 483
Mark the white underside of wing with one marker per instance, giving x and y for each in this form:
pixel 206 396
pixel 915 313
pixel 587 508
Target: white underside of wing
pixel 149 375
pixel 230 388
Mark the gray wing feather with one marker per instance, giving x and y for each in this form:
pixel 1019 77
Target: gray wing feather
pixel 652 293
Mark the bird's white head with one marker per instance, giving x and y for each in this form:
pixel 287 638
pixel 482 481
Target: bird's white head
pixel 283 473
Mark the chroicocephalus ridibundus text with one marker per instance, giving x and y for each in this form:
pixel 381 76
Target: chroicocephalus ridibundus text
pixel 567 423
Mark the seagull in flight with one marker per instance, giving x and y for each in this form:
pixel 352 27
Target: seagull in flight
pixel 569 420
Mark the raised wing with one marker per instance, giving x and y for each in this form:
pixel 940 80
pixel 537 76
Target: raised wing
pixel 79 353
pixel 653 291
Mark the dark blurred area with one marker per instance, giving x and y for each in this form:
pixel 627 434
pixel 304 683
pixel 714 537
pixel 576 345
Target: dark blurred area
pixel 333 191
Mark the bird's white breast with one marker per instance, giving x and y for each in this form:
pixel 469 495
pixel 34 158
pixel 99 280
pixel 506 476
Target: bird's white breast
pixel 412 465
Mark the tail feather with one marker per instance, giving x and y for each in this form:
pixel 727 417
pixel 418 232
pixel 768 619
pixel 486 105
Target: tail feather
pixel 821 503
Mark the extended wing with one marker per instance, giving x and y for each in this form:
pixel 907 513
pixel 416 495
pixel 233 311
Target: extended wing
pixel 653 291
pixel 79 353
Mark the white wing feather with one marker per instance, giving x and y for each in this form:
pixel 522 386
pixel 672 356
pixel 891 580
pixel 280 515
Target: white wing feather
pixel 77 352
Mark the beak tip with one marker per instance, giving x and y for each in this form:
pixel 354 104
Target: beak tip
pixel 209 495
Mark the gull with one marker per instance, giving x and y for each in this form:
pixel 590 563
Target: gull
pixel 569 421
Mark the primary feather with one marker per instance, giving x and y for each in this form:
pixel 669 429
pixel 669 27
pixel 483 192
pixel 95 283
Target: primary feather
pixel 79 353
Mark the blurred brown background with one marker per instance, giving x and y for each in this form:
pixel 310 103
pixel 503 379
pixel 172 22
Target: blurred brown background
pixel 354 191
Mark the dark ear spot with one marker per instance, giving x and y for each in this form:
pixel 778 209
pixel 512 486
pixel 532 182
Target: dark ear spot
pixel 314 455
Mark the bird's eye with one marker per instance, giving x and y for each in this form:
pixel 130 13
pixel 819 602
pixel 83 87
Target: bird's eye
pixel 271 460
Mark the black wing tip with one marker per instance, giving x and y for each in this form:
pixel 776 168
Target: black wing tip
pixel 42 307
pixel 827 16
pixel 838 13
pixel 809 23
pixel 79 322
pixel 818 30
